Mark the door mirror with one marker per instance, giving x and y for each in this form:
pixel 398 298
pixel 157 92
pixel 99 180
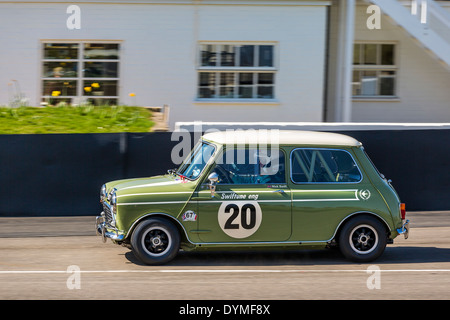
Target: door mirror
pixel 213 179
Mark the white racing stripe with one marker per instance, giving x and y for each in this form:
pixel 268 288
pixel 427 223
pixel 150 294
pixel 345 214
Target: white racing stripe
pixel 153 184
pixel 143 203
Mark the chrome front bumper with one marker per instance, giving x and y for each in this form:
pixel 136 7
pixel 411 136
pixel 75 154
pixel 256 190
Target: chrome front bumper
pixel 404 229
pixel 106 231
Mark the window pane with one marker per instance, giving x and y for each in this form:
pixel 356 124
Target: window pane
pixel 387 54
pixel 102 101
pixel 207 82
pixel 246 92
pixel 266 56
pixel 207 79
pixel 227 79
pixel 208 55
pixel 227 56
pixel 387 83
pixel 60 50
pixel 100 69
pixel 265 85
pixel 309 165
pixel 196 161
pixel 356 83
pixel 370 53
pixel 56 88
pixel 55 101
pixel 226 92
pixel 251 166
pixel 206 92
pixel 369 83
pixel 247 54
pixel 245 85
pixel 356 53
pixel 100 88
pixel 101 51
pixel 60 69
pixel 265 92
pixel 245 78
pixel 300 165
pixel 226 85
pixel 265 78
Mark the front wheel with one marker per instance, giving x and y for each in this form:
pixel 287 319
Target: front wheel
pixel 155 241
pixel 363 239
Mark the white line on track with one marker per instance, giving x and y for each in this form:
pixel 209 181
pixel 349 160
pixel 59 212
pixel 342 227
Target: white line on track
pixel 218 271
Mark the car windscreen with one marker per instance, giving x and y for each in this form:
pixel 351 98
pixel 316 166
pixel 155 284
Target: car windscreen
pixel 196 161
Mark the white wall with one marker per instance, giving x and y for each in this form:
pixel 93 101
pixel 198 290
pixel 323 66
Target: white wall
pixel 422 82
pixel 300 36
pixel 154 38
pixel 158 58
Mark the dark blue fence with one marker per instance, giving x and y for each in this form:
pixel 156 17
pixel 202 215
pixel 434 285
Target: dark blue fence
pixel 61 174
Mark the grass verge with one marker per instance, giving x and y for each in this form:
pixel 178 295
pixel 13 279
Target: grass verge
pixel 79 119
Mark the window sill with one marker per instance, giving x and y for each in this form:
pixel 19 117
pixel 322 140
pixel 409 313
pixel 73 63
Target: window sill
pixel 376 99
pixel 267 102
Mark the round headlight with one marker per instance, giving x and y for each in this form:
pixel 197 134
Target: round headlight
pixel 103 192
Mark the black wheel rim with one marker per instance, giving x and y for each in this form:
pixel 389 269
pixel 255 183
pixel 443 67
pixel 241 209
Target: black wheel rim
pixel 363 239
pixel 156 241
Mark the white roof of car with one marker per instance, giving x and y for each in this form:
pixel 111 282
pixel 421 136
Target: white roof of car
pixel 281 137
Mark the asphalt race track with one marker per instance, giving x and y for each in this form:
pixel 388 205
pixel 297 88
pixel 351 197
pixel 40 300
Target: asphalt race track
pixel 62 258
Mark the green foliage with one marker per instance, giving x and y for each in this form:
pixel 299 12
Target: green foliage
pixel 79 119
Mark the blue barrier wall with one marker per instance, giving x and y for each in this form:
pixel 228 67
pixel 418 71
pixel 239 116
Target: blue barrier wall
pixel 61 174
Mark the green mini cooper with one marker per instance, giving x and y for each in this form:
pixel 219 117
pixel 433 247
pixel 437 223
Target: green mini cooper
pixel 257 188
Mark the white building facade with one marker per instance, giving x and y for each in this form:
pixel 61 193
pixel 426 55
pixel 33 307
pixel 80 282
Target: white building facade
pixel 211 60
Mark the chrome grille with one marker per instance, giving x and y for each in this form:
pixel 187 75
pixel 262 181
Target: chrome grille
pixel 108 214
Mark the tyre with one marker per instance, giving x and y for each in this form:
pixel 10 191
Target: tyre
pixel 155 241
pixel 363 239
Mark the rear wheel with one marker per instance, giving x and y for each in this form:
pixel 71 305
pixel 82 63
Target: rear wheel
pixel 155 241
pixel 363 239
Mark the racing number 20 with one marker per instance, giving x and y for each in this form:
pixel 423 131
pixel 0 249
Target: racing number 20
pixel 247 213
pixel 239 219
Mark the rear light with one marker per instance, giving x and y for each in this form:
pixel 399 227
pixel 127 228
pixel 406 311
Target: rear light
pixel 403 211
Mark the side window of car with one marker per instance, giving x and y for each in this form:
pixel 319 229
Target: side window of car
pixel 323 166
pixel 251 166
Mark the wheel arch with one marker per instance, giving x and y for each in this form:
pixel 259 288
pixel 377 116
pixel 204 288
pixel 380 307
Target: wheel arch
pixel 168 217
pixel 358 214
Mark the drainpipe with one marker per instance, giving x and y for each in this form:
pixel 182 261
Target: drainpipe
pixel 345 60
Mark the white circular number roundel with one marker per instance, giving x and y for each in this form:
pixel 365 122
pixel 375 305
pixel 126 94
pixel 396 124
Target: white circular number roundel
pixel 239 219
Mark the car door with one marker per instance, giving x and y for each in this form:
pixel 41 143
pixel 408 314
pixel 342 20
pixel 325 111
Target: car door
pixel 251 202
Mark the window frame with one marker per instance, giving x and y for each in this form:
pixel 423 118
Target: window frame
pixel 329 182
pixel 80 79
pixel 217 70
pixel 377 68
